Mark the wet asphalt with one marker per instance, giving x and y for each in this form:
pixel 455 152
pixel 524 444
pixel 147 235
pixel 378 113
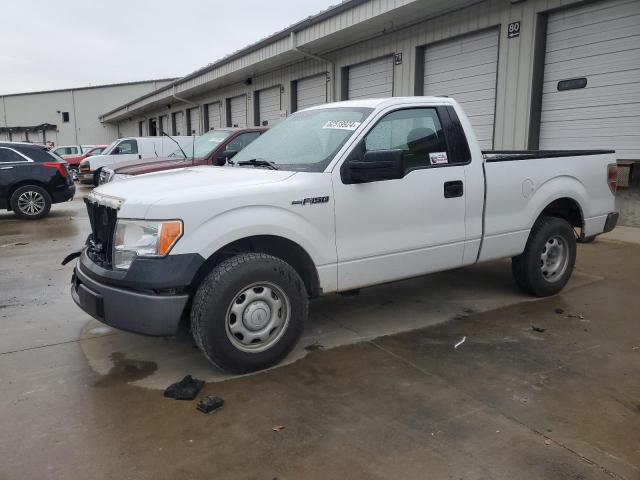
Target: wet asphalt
pixel 375 390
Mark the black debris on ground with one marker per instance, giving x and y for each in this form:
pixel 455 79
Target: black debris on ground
pixel 535 328
pixel 559 311
pixel 210 404
pixel 314 347
pixel 186 389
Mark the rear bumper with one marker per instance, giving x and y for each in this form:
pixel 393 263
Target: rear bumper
pixel 64 195
pixel 611 222
pixel 125 309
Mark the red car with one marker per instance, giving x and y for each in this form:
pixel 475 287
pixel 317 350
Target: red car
pixel 215 147
pixel 74 160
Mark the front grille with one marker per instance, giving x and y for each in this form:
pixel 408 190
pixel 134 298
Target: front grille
pixel 103 224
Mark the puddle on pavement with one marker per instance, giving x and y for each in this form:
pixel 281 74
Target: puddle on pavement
pixel 125 370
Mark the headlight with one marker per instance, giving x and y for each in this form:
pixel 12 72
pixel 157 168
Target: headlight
pixel 120 176
pixel 84 167
pixel 143 238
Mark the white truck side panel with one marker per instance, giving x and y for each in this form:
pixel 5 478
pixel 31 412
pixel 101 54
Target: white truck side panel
pixel 518 191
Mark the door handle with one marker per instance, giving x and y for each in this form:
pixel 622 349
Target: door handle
pixel 453 189
pixel 139 157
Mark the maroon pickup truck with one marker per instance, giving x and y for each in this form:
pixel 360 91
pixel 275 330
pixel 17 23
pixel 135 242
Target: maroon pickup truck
pixel 215 147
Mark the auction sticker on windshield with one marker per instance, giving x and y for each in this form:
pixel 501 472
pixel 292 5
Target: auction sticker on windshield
pixel 341 125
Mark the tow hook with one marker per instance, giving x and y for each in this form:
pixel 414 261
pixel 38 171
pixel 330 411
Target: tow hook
pixel 71 256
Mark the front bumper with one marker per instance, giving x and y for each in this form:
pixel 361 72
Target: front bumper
pixel 140 310
pixel 85 178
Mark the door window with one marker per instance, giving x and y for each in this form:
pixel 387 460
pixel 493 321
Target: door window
pixel 242 141
pixel 126 147
pixel 417 132
pixel 9 156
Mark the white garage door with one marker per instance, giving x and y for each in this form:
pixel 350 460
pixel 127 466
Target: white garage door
pixel 214 115
pixel 194 121
pixel 269 106
pixel 178 125
pixel 465 69
pixel 238 107
pixel 371 79
pixel 163 126
pixel 599 42
pixel 311 91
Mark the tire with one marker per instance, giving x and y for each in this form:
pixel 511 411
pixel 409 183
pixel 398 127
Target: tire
pixel 245 297
pixel 30 202
pixel 546 264
pixel 96 177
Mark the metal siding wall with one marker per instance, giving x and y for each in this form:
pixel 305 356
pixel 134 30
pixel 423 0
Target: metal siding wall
pixel 465 68
pixel 181 127
pixel 600 42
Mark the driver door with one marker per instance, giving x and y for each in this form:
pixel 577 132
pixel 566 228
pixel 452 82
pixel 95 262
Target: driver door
pixel 393 229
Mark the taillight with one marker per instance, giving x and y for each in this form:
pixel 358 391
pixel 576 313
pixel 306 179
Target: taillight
pixel 58 166
pixel 612 177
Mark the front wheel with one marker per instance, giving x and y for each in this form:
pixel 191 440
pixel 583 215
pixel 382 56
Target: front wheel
pixel 546 264
pixel 249 312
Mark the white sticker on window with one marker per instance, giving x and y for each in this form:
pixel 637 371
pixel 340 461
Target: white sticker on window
pixel 341 125
pixel 437 158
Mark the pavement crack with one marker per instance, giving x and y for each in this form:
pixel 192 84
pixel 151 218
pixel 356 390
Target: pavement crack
pixel 59 343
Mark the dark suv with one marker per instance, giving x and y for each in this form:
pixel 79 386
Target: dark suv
pixel 31 179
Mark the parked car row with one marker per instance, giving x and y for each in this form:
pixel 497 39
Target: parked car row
pixel 334 198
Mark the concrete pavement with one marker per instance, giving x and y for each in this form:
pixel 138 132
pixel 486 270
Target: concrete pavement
pixel 382 394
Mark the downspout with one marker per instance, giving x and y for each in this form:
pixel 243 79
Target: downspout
pixel 322 59
pixel 173 94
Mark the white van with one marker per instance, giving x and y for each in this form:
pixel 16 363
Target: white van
pixel 132 149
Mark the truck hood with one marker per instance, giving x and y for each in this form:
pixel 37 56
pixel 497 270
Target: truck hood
pixel 137 167
pixel 137 194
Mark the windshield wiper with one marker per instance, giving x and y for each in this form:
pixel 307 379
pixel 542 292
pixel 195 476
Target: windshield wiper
pixel 258 162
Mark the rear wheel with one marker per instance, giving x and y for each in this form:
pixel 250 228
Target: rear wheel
pixel 546 264
pixel 249 312
pixel 30 202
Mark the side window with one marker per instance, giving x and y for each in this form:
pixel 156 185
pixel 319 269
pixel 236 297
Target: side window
pixel 9 156
pixel 127 146
pixel 242 141
pixel 72 151
pixel 416 131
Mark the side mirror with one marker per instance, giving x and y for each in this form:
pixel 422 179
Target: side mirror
pixel 375 166
pixel 116 151
pixel 225 156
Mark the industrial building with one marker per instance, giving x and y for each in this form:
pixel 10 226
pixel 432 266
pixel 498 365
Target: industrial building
pixel 70 116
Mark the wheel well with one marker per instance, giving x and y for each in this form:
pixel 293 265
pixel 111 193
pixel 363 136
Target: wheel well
pixel 567 209
pixel 279 247
pixel 22 184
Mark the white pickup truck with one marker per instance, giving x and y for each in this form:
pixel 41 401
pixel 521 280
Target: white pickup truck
pixel 334 198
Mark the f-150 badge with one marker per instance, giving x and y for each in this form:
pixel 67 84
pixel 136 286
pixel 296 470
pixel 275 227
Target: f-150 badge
pixel 311 201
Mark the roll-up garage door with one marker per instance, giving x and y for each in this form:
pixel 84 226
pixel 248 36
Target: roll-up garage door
pixel 311 91
pixel 269 106
pixel 194 121
pixel 214 116
pixel 591 90
pixel 238 111
pixel 163 125
pixel 178 124
pixel 465 69
pixel 371 79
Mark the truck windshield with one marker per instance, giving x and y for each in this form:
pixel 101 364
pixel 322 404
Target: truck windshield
pixel 204 145
pixel 306 141
pixel 107 151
